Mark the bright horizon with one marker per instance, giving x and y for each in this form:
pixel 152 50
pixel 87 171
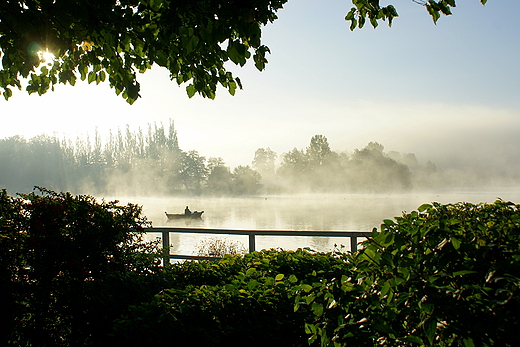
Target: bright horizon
pixel 447 92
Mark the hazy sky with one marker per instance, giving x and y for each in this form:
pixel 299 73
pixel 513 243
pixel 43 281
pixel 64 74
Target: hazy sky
pixel 448 92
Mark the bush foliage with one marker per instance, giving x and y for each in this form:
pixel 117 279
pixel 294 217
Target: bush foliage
pixel 75 272
pixel 63 259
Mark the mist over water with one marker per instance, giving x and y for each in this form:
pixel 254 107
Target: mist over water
pixel 328 212
pixel 296 190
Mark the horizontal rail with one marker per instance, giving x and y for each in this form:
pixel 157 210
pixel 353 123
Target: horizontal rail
pixel 165 233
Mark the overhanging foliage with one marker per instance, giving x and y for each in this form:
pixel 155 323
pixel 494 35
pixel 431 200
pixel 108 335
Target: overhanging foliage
pixel 50 42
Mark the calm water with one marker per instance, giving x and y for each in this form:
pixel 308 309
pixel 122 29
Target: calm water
pixel 345 212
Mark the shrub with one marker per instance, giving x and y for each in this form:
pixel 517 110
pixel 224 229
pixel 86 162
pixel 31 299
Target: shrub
pixel 218 247
pixel 239 300
pixel 443 275
pixel 61 259
pixel 75 272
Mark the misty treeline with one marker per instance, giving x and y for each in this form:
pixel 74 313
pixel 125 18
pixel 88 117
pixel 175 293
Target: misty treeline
pixel 150 162
pixel 138 162
pixel 318 168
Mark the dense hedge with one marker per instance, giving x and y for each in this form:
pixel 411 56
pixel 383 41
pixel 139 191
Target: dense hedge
pixel 67 266
pixel 74 272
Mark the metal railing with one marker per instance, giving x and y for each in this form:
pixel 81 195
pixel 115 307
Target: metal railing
pixel 165 234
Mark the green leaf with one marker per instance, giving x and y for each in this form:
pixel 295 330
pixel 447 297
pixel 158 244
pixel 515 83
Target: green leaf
pixel 279 277
pixel 427 307
pixel 91 77
pixel 382 326
pixel 8 93
pixel 83 69
pixel 414 339
pixel 424 207
pixel 191 44
pixel 250 271
pixel 374 22
pixel 430 328
pixel 232 87
pixel 190 90
pixel 385 289
pixel 463 272
pixel 468 342
pixel 455 242
pixel 155 4
pixel 306 287
pixel 310 328
pixel 252 284
pixel 317 309
pixel 388 222
pixel 160 58
pixel 292 279
pixel 389 239
pixel 353 24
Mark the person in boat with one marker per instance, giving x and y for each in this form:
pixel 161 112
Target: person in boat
pixel 187 211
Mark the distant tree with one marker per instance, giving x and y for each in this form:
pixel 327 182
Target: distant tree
pixel 220 179
pixel 214 162
pixel 430 166
pixel 374 147
pixel 294 162
pixel 51 42
pixel 246 181
pixel 38 161
pixel 193 171
pixel 264 161
pixel 318 151
pixel 370 169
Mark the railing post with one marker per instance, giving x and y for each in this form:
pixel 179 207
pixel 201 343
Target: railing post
pixel 353 244
pixel 166 247
pixel 251 242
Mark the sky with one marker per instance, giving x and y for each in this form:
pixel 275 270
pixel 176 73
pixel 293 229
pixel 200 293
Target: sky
pixel 449 93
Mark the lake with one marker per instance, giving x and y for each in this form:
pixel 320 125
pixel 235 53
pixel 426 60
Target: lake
pixel 331 212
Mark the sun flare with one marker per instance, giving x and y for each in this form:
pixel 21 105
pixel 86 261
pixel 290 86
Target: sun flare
pixel 46 56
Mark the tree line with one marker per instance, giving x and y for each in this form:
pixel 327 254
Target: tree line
pixel 318 168
pixel 150 161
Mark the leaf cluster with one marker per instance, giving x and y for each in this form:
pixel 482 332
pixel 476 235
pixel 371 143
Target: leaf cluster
pixel 112 40
pixel 373 12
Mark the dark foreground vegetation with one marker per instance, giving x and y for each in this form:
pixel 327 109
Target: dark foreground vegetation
pixel 75 272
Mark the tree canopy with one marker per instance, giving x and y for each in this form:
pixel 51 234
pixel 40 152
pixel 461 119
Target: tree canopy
pixel 47 42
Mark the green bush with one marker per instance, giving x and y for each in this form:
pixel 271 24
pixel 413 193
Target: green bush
pixel 74 272
pixel 445 275
pixel 239 300
pixel 63 258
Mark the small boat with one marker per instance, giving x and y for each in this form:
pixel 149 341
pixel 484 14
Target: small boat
pixel 193 215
